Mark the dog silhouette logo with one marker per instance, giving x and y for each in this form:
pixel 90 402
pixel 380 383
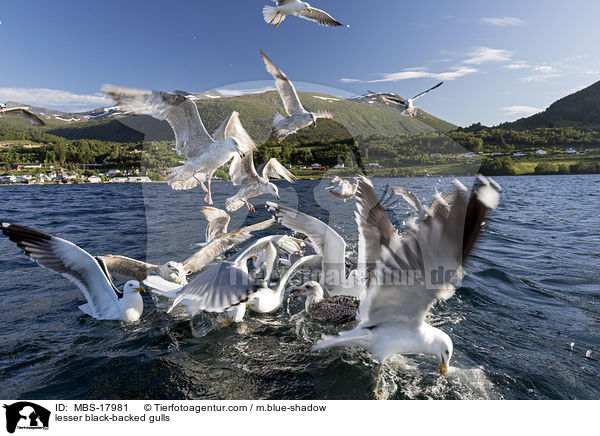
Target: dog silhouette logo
pixel 26 415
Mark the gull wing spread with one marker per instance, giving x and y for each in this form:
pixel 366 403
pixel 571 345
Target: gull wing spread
pixel 440 244
pixel 283 242
pixel 242 170
pixel 273 169
pixel 287 92
pixel 191 137
pixel 319 16
pixel 425 92
pixel 409 196
pixel 128 267
pixel 22 112
pixel 216 289
pixel 219 245
pixel 70 261
pixel 319 233
pixel 326 242
pixel 218 221
pixel 232 128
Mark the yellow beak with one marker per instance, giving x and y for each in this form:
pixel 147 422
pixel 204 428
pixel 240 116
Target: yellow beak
pixel 309 10
pixel 443 367
pixel 140 289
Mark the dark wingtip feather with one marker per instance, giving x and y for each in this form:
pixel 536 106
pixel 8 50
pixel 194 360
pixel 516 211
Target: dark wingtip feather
pixel 484 197
pixel 17 233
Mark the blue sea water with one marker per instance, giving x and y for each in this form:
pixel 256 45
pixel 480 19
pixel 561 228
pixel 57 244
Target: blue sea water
pixel 522 321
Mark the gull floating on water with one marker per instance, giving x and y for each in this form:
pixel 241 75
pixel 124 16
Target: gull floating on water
pixel 401 286
pixel 22 112
pixel 243 174
pixel 89 274
pixel 341 188
pixel 339 309
pixel 276 14
pixel 204 154
pixel 298 116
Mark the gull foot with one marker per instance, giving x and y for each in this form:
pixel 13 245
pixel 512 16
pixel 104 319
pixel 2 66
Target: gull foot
pixel 273 19
pixel 224 324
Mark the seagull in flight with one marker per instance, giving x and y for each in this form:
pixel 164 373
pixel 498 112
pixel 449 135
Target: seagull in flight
pixel 298 116
pixel 342 188
pixel 243 174
pixel 276 14
pixel 393 312
pixel 88 273
pixel 409 108
pixel 204 153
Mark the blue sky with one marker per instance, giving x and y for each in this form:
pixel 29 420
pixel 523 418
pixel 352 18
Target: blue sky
pixel 500 60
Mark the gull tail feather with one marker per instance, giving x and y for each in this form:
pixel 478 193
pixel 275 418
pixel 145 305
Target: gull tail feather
pixel 233 203
pixel 269 14
pixel 277 118
pixel 182 177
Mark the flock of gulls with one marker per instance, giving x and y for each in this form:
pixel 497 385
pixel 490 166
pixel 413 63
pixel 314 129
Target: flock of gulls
pixel 384 295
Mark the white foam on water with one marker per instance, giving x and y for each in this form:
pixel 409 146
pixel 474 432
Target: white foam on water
pixel 402 377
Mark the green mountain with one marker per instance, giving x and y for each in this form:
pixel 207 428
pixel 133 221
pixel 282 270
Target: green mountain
pixel 360 119
pixel 580 110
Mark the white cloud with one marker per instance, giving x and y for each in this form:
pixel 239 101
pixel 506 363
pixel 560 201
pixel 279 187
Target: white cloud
pixel 539 77
pixel 517 65
pixel 521 111
pixel 54 98
pixel 543 68
pixel 238 92
pixel 480 55
pixel 418 73
pixel 541 73
pixel 503 21
pixel 537 73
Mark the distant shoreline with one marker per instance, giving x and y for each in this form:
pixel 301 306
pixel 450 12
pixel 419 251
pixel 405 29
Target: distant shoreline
pixel 299 178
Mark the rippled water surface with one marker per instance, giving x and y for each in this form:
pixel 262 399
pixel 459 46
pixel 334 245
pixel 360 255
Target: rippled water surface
pixel 522 321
